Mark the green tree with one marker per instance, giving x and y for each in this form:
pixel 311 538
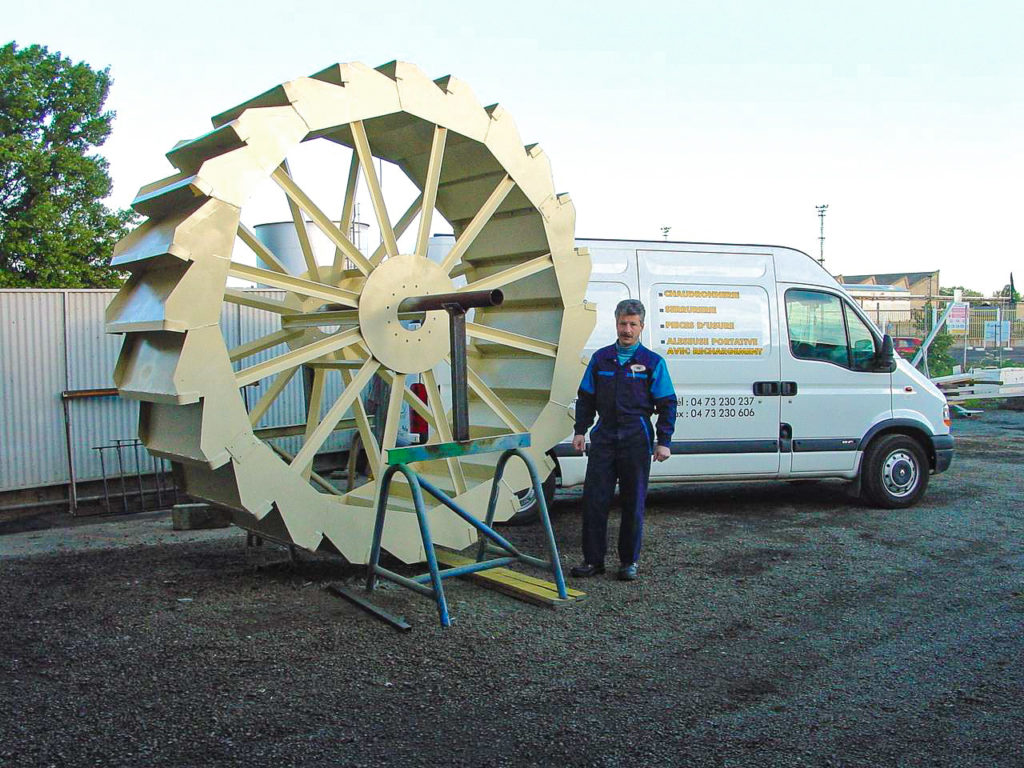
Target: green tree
pixel 55 231
pixel 940 361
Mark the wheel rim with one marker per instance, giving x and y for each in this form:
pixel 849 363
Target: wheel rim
pixel 900 473
pixel 339 320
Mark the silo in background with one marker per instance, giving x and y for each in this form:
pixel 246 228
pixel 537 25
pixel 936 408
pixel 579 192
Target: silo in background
pixel 281 238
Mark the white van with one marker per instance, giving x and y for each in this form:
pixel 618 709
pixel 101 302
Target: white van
pixel 778 373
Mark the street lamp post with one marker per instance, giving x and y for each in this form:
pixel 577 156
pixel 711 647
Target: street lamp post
pixel 821 215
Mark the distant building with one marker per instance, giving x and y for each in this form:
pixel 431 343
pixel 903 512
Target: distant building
pixel 921 285
pixel 880 297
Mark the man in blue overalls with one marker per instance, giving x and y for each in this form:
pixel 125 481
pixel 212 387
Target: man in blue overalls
pixel 625 384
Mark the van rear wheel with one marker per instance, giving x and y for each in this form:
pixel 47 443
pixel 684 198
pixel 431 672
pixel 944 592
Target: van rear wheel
pixel 895 472
pixel 529 507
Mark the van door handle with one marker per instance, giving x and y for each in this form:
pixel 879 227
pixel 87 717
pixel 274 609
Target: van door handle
pixel 787 388
pixel 766 388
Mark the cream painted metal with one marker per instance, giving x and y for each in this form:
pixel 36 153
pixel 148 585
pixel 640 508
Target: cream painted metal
pixel 512 231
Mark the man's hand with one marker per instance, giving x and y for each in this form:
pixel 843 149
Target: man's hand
pixel 662 452
pixel 578 442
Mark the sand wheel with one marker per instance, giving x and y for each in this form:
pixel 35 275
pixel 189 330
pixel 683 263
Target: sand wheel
pixel 338 321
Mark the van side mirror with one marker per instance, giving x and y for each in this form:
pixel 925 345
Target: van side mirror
pixel 886 358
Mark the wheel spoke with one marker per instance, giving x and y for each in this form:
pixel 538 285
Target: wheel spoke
pixel 494 402
pixel 478 223
pixel 430 184
pixel 299 222
pixel 316 398
pixel 296 430
pixel 320 319
pixel 400 227
pixel 365 430
pixel 245 299
pixel 390 438
pixel 410 397
pixel 444 431
pixel 304 458
pixel 514 340
pixel 297 285
pixel 300 199
pixel 264 342
pixel 370 173
pixel 318 479
pixel 270 396
pixel 265 254
pixel 347 209
pixel 297 357
pixel 510 275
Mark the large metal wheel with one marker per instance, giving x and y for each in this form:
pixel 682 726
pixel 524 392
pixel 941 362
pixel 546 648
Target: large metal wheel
pixel 338 322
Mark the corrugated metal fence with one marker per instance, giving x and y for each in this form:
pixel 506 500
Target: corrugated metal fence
pixel 52 341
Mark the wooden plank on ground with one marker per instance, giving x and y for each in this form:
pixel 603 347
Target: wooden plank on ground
pixel 513 583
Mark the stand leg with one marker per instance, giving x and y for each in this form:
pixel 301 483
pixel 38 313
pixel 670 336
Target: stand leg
pixel 428 546
pixel 378 527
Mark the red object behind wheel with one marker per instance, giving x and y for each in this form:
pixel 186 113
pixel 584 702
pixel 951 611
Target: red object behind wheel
pixel 417 424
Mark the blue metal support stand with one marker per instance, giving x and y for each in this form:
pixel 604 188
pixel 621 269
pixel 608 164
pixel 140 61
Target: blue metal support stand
pixel 494 550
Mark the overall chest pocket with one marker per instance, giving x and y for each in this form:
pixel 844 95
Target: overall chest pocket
pixel 636 384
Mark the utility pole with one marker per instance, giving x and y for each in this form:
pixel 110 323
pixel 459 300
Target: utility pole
pixel 821 215
pixel 665 231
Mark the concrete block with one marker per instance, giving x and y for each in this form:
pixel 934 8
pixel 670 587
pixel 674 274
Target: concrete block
pixel 191 517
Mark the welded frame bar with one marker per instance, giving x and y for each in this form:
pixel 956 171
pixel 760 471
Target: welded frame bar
pixel 491 540
pixel 120 469
pixel 538 490
pixel 66 397
pixel 460 393
pixel 103 473
pixel 69 443
pixel 465 570
pixel 359 601
pixel 374 569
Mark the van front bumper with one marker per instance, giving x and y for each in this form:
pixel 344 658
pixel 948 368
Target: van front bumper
pixel 943 447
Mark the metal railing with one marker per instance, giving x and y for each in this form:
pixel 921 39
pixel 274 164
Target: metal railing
pixel 124 473
pixel 986 326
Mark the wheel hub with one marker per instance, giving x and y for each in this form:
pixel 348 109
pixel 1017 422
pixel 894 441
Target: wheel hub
pixel 404 349
pixel 899 474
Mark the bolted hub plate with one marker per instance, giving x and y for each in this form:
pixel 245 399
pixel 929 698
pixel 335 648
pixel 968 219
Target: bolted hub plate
pixel 397 347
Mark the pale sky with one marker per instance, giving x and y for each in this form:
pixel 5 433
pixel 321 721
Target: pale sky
pixel 728 121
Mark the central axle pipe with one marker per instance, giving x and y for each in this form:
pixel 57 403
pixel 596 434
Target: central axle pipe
pixel 456 305
pixel 465 300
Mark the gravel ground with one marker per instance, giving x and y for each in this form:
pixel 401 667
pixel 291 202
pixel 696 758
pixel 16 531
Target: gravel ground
pixel 772 625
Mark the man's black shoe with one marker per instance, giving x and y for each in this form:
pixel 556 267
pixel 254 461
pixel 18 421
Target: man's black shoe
pixel 585 570
pixel 627 572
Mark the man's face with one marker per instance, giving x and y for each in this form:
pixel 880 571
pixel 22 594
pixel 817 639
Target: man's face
pixel 628 328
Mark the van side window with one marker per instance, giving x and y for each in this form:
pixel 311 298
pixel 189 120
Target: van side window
pixel 823 327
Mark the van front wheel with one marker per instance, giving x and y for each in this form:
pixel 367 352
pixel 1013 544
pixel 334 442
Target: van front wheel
pixel 895 472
